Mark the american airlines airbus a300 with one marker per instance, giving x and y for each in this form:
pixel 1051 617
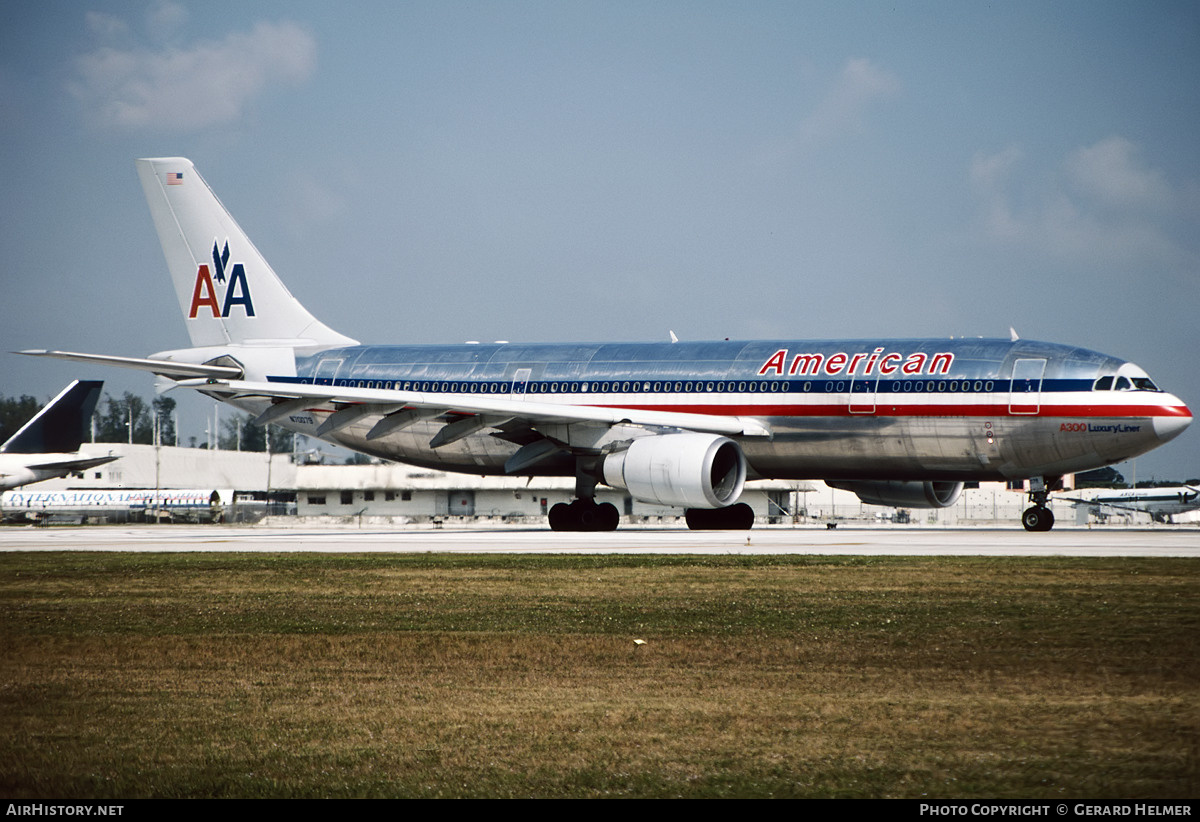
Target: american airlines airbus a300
pixel 900 422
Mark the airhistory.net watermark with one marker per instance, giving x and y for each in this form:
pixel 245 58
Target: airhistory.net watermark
pixel 46 809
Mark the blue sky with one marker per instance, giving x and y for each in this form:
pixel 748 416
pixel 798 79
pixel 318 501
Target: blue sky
pixel 445 171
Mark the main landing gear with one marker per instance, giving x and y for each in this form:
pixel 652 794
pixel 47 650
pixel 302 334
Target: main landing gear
pixel 584 515
pixel 1039 517
pixel 588 515
pixel 739 517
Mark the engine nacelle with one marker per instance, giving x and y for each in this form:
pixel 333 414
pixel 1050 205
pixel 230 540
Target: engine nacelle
pixel 904 494
pixel 684 470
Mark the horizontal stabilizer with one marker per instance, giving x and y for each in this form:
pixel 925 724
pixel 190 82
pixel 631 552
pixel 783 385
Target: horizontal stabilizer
pixel 164 368
pixel 67 466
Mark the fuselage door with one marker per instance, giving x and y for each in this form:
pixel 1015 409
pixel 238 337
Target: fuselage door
pixel 862 395
pixel 520 383
pixel 327 371
pixel 1026 393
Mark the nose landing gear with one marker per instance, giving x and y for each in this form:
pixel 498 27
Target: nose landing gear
pixel 1039 517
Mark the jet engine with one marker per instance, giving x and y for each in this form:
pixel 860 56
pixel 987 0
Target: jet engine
pixel 904 494
pixel 684 470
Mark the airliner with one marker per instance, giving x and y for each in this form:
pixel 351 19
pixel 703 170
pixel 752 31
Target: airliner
pixel 902 422
pixel 194 504
pixel 48 445
pixel 1161 503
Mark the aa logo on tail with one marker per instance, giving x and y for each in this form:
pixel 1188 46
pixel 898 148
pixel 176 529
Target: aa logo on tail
pixel 237 290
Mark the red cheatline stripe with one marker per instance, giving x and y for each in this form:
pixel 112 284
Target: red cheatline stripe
pixel 882 409
pixel 890 410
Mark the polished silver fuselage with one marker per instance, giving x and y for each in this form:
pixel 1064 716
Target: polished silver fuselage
pixel 922 409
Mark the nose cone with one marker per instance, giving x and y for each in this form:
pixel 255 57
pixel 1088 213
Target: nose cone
pixel 1171 426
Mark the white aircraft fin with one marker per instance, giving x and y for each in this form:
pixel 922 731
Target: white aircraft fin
pixel 226 290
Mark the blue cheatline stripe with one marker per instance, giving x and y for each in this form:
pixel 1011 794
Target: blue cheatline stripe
pixel 640 385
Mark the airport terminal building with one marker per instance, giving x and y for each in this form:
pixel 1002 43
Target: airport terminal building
pixel 383 493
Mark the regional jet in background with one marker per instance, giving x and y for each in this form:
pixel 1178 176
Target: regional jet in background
pixel 686 424
pixel 116 505
pixel 1161 503
pixel 48 445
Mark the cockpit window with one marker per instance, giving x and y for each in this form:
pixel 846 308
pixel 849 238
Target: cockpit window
pixel 1111 383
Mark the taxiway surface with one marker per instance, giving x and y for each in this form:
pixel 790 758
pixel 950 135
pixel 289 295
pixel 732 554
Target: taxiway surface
pixel 1081 542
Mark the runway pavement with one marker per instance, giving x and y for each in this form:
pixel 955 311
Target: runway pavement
pixel 902 541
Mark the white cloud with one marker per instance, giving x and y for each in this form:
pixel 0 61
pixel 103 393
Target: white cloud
pixel 184 89
pixel 164 19
pixel 860 84
pixel 1110 173
pixel 989 171
pixel 1103 208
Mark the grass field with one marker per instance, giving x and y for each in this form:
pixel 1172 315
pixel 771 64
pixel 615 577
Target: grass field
pixel 297 675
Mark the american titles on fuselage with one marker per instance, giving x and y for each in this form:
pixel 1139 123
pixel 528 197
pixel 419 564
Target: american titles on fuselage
pixel 915 364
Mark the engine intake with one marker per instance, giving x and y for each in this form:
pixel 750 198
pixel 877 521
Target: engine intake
pixel 939 494
pixel 684 470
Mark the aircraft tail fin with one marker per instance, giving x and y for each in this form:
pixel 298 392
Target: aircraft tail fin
pixel 226 289
pixel 61 426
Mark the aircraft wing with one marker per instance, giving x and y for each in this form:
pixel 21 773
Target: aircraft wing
pixel 1157 500
pixel 356 403
pixel 15 471
pixel 1097 504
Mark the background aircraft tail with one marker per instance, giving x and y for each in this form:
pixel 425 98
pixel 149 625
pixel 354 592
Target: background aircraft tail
pixel 61 426
pixel 227 291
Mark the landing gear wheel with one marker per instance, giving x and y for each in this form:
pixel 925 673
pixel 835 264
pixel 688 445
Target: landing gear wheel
pixel 560 517
pixel 1047 520
pixel 584 515
pixel 739 517
pixel 608 517
pixel 587 515
pixel 1037 518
